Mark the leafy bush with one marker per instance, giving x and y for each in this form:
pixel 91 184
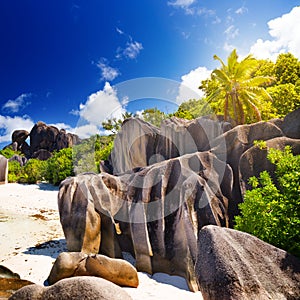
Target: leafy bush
pixel 271 210
pixel 9 152
pixel 88 154
pixel 59 166
pixel 14 171
pixel 34 171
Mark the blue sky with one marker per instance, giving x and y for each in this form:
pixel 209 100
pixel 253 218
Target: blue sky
pixel 75 63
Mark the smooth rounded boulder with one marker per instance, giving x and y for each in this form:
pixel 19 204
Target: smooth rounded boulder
pixel 236 265
pixel 70 264
pixel 76 288
pixel 3 169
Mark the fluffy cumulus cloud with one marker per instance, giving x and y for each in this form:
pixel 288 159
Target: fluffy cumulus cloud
pixel 9 124
pixel 284 32
pixel 17 104
pixel 99 106
pixel 107 72
pixel 190 82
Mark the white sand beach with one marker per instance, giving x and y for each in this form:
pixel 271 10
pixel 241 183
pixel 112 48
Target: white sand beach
pixel 31 238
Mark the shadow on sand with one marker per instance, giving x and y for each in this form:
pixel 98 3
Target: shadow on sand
pixel 51 248
pixel 43 186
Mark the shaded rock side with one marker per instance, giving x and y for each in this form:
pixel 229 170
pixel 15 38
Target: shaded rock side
pixel 180 136
pixel 236 265
pixel 76 288
pixel 254 160
pixel 3 169
pixel 230 146
pixel 49 138
pixel 155 212
pixel 291 124
pixel 140 144
pixel 134 145
pixel 70 264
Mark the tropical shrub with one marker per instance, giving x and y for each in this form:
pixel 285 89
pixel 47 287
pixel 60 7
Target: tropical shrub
pixel 271 210
pixel 14 171
pixel 34 171
pixel 59 166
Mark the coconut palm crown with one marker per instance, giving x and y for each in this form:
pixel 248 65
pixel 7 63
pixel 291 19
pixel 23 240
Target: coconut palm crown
pixel 237 90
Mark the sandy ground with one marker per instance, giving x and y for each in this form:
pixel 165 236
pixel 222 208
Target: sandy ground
pixel 31 238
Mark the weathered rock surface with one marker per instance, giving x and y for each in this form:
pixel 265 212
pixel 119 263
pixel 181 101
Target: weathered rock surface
pixel 236 265
pixel 49 138
pixel 41 154
pixel 22 160
pixel 143 144
pixel 7 273
pixel 76 288
pixel 156 212
pixel 230 146
pixel 254 160
pixel 3 169
pixel 291 124
pixel 134 145
pixel 19 136
pixel 71 264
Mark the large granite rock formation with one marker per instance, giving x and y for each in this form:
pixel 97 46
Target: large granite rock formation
pixel 155 212
pixel 142 144
pixel 230 146
pixel 76 288
pixel 71 264
pixel 49 138
pixel 236 265
pixel 3 169
pixel 44 139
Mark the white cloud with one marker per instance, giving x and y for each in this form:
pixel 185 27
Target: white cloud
pixel 241 10
pixel 181 3
pixel 15 105
pixel 85 131
pixel 121 32
pixel 190 82
pixel 107 72
pixel 284 32
pixel 132 49
pixel 231 32
pixel 102 105
pixel 9 124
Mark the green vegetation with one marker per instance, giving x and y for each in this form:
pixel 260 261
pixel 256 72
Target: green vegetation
pixel 237 91
pixel 59 166
pixel 88 154
pixel 8 152
pixel 84 157
pixel 271 210
pixel 231 79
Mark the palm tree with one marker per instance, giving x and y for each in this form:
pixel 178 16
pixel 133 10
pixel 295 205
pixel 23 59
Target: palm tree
pixel 237 91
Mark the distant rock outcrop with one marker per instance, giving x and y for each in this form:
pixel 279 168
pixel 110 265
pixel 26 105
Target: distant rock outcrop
pixel 3 169
pixel 71 264
pixel 76 288
pixel 44 139
pixel 236 265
